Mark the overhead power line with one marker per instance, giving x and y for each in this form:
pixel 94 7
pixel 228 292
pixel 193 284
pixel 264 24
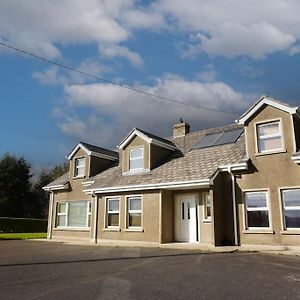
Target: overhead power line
pixel 89 75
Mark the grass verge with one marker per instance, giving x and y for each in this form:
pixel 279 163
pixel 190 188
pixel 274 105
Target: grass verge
pixel 23 236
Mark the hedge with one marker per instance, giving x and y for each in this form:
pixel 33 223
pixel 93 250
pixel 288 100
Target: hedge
pixel 9 225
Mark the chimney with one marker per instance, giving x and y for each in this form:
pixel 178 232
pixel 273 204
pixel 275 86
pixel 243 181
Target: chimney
pixel 181 129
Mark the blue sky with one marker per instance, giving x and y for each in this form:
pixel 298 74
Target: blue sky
pixel 221 55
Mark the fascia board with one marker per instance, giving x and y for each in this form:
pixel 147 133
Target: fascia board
pixel 134 132
pixel 170 185
pixel 56 187
pixel 234 167
pixel 266 101
pixel 79 146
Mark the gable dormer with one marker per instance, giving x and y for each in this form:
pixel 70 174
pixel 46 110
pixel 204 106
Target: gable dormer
pixel 87 160
pixel 271 128
pixel 142 151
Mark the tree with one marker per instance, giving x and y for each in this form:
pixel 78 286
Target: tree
pixel 45 177
pixel 19 197
pixel 16 198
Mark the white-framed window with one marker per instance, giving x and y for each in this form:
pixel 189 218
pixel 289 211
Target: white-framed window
pixel 61 219
pixel 291 208
pixel 136 159
pixel 112 212
pixel 269 137
pixel 74 214
pixel 79 167
pixel 134 212
pixel 207 206
pixel 257 211
pixel 89 214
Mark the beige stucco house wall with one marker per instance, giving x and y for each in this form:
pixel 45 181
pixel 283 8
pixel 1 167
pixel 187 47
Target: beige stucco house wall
pixel 269 172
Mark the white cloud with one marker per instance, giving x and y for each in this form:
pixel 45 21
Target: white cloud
pixel 139 19
pixel 116 111
pixel 230 28
pixel 41 27
pixel 56 76
pixel 248 70
pixel 120 51
pixel 209 74
pixel 255 41
pixel 73 126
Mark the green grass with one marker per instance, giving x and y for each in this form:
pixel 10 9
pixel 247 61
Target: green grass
pixel 22 236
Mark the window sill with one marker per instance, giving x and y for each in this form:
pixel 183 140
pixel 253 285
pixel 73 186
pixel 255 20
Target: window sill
pixel 134 230
pixel 72 229
pixel 258 231
pixel 135 172
pixel 271 152
pixel 206 221
pixel 113 229
pixel 290 232
pixel 78 177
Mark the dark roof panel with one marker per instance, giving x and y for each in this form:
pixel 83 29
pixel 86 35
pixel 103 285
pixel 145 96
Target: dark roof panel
pixel 219 138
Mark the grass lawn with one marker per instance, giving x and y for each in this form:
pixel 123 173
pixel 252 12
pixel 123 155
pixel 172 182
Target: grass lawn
pixel 22 236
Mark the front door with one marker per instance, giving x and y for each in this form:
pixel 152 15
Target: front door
pixel 186 219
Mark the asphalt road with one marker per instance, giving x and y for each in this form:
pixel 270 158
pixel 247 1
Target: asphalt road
pixel 47 270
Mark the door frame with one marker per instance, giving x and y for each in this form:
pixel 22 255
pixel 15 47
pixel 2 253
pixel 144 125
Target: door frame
pixel 178 197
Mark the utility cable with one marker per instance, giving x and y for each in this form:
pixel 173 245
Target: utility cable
pixel 89 75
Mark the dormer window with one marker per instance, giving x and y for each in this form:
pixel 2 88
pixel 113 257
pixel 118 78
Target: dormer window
pixel 269 137
pixel 136 159
pixel 79 167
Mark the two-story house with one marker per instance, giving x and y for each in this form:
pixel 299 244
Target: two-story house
pixel 230 185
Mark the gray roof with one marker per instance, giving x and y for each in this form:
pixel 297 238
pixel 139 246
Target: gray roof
pixel 62 180
pixel 100 150
pixel 185 165
pixel 155 137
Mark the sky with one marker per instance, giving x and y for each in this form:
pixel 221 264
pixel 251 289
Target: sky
pixel 222 55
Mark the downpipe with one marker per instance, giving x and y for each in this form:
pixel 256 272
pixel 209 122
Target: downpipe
pixel 233 206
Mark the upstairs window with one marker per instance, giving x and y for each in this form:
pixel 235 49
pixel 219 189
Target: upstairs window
pixel 269 137
pixel 79 167
pixel 136 159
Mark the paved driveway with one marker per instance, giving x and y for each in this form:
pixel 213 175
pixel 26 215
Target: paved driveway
pixel 47 270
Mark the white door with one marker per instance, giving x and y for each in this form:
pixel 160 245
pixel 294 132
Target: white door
pixel 186 217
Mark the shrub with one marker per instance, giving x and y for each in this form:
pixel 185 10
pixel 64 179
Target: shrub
pixel 9 225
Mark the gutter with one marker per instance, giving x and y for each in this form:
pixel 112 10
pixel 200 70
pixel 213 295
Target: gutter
pixel 171 185
pixel 56 187
pixel 296 158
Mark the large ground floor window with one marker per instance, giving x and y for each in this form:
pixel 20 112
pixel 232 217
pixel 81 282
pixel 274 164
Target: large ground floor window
pixel 134 212
pixel 73 214
pixel 291 208
pixel 257 211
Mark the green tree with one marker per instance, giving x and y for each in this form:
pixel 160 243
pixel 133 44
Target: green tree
pixel 45 177
pixel 16 197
